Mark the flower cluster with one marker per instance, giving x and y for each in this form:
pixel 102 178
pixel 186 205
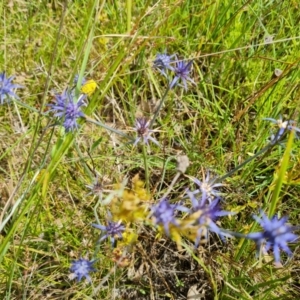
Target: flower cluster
pixel 112 230
pixel 142 128
pixel 7 88
pixel 164 214
pixel 68 109
pixel 283 127
pixel 81 268
pixel 163 62
pixel 88 87
pixel 275 235
pixel 132 206
pixel 199 218
pixel 180 69
pixel 204 215
pixel 207 187
pixel 195 215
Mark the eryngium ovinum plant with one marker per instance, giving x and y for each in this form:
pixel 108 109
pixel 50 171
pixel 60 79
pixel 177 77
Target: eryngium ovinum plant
pixel 195 215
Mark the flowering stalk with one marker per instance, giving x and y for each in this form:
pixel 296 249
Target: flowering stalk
pixel 204 215
pixel 159 107
pixel 142 128
pixel 146 166
pixel 182 164
pixel 283 127
pixel 107 127
pixel 268 147
pixel 112 230
pixel 182 71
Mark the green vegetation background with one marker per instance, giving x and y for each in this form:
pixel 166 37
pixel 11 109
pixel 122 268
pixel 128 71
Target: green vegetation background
pixel 218 124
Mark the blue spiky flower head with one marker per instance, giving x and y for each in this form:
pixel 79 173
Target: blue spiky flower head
pixel 207 187
pixel 276 234
pixel 182 71
pixel 282 126
pixel 112 230
pixel 163 62
pixel 68 109
pixel 164 214
pixel 7 88
pixel 81 268
pixel 142 128
pixel 205 216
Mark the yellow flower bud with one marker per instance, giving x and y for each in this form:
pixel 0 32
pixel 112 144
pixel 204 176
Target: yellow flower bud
pixel 89 87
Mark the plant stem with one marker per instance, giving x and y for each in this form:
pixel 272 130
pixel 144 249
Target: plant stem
pixel 159 107
pixel 268 147
pixel 108 128
pixel 281 175
pixel 146 167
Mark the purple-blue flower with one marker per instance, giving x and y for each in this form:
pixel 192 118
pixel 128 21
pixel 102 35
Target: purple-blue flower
pixel 7 87
pixel 112 230
pixel 80 268
pixel 283 126
pixel 143 131
pixel 276 234
pixel 182 71
pixel 163 62
pixel 207 188
pixel 68 109
pixel 206 215
pixel 164 214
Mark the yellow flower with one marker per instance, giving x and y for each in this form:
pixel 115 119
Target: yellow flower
pixel 129 237
pixel 132 205
pixel 89 87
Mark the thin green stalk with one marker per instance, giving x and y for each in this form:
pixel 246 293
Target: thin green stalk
pixel 85 166
pixel 159 107
pixel 129 17
pixel 163 174
pixel 281 175
pixel 268 147
pixel 47 84
pixel 171 186
pixel 108 128
pixel 86 47
pixel 96 208
pixel 146 166
pixel 34 146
